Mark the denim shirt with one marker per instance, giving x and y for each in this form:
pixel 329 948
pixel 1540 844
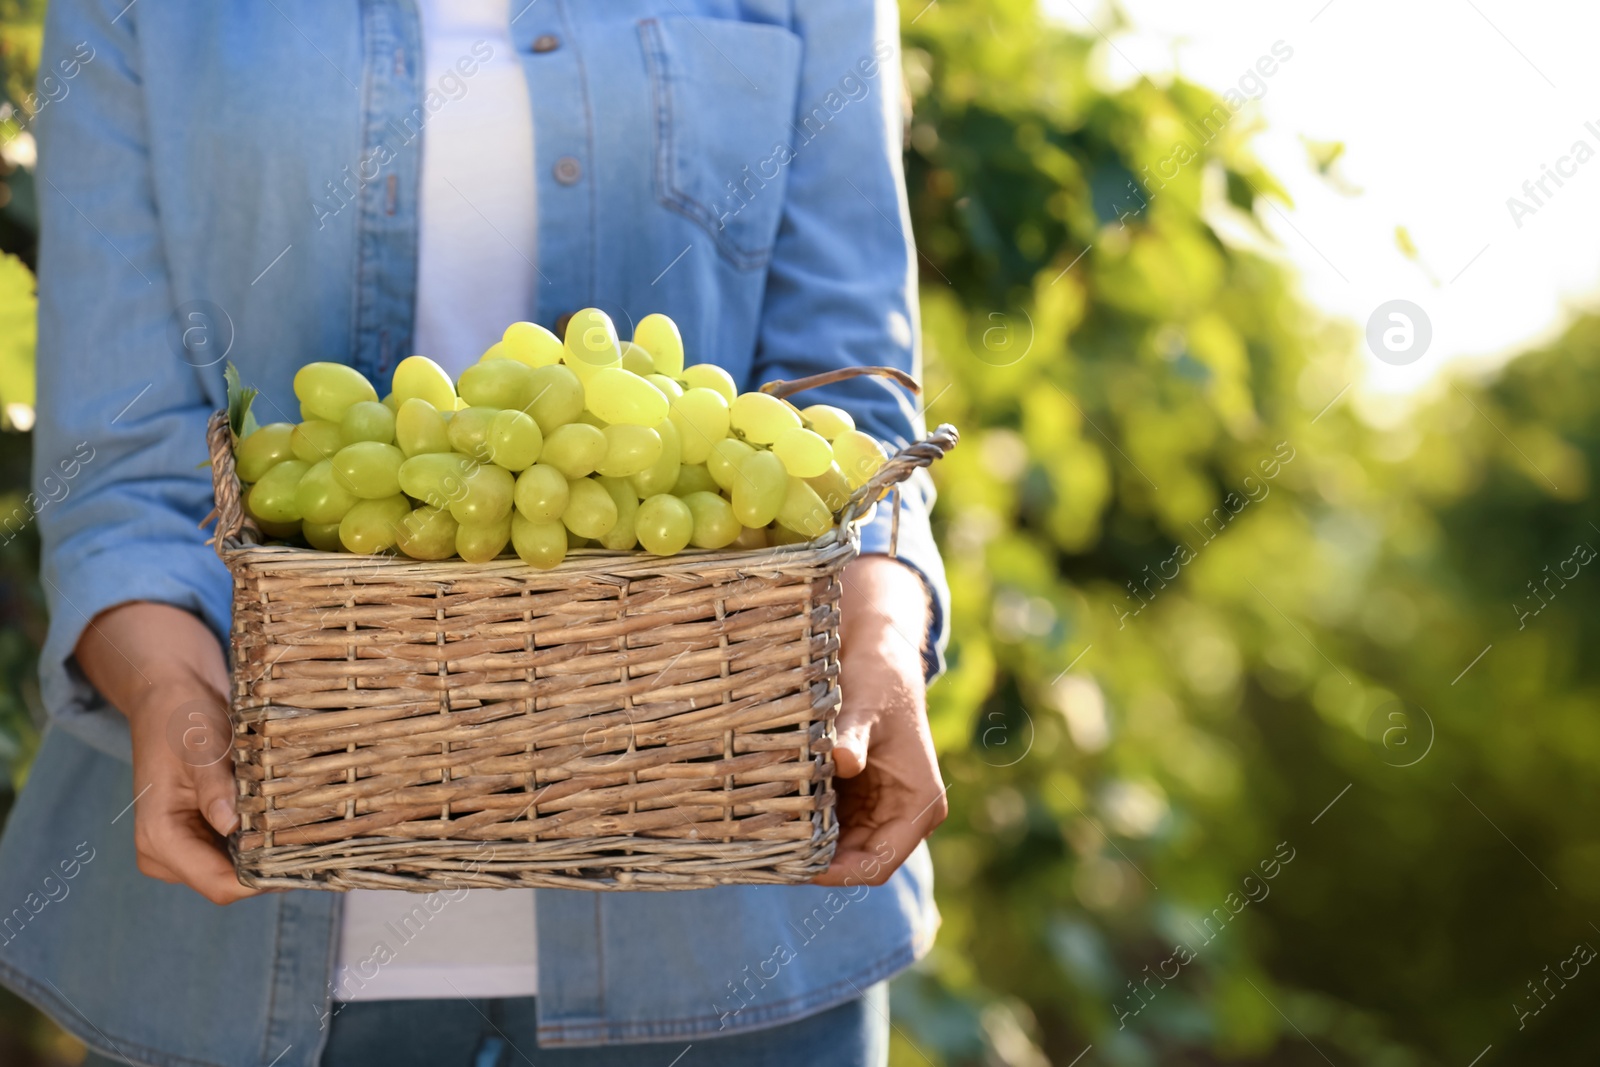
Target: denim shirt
pixel 239 182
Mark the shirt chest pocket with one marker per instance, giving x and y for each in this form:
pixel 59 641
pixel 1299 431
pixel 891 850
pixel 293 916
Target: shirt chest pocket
pixel 724 96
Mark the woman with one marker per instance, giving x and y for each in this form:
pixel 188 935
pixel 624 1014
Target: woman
pixel 357 181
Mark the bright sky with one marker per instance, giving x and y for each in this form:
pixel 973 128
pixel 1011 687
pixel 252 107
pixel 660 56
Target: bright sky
pixel 1446 107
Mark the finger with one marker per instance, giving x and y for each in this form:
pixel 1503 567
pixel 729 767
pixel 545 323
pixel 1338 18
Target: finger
pixel 853 739
pixel 872 859
pixel 217 795
pixel 190 850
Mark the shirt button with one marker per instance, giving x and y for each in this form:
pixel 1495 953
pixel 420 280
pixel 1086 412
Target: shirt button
pixel 567 170
pixel 547 42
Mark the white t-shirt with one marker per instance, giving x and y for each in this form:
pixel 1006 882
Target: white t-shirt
pixel 476 243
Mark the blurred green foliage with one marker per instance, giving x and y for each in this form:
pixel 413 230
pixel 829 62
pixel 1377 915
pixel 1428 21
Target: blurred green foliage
pixel 1192 593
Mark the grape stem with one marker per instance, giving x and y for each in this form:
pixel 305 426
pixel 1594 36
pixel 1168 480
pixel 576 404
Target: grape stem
pixel 782 388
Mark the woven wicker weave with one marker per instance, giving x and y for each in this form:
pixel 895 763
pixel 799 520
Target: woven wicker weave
pixel 619 722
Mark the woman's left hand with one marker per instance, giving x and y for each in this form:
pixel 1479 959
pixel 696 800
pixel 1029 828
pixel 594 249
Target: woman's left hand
pixel 891 795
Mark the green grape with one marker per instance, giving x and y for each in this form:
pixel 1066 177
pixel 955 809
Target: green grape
pixel 499 383
pixel 574 541
pixel 660 337
pixel 622 397
pixel 629 450
pixel 538 544
pixel 326 390
pixel 420 378
pixel 321 496
pixel 514 440
pixel 827 420
pixel 589 418
pixel 370 469
pixel 367 421
pixel 750 539
pixel 307 416
pixel 324 537
pixel 373 525
pixel 714 523
pixel 760 418
pixel 803 511
pixel 805 454
pixel 541 493
pixel 710 376
pixel 664 524
pixel 258 452
pixel 693 478
pixel 273 497
pixel 591 343
pixel 669 388
pixel 662 475
pixel 621 536
pixel 419 428
pixel 316 440
pixel 482 542
pixel 701 416
pixel 832 487
pixel 427 533
pixel 557 398
pixel 778 536
pixel 723 463
pixel 859 456
pixel 636 359
pixel 469 431
pixel 436 478
pixel 590 510
pixel 760 489
pixel 485 496
pixel 529 343
pixel 574 449
pixel 391 402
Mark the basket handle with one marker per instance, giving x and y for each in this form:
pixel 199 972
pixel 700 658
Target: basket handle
pixel 896 469
pixel 781 388
pixel 224 482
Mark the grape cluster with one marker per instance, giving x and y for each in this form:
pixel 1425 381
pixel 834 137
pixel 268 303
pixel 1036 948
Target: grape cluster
pixel 547 444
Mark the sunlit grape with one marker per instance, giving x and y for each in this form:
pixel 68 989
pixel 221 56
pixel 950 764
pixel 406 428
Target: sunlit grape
pixel 322 536
pixel 621 397
pixel 664 524
pixel 590 510
pixel 485 496
pixel 370 469
pixel 389 401
pixel 513 440
pixel 373 525
pixel 660 337
pixel 541 493
pixel 832 487
pixel 427 533
pixel 694 478
pixel 714 523
pixel 538 544
pixel 661 475
pixel 859 456
pixel 469 431
pixel 669 388
pixel 419 428
pixel 621 536
pixel 591 343
pixel 723 463
pixel 498 383
pixel 321 496
pixel 257 453
pixel 803 511
pixel 420 378
pixel 574 449
pixel 827 420
pixel 326 390
pixel 274 497
pixel 701 416
pixel 805 454
pixel 366 420
pixel 316 440
pixel 629 450
pixel 760 489
pixel 636 359
pixel 482 542
pixel 760 418
pixel 557 397
pixel 436 478
pixel 529 343
pixel 750 538
pixel 710 376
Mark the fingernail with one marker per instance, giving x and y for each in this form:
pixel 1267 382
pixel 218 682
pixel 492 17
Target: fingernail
pixel 221 816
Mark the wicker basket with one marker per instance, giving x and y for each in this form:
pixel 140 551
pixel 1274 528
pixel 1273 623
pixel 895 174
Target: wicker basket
pixel 619 722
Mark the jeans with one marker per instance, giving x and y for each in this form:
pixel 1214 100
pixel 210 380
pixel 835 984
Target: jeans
pixel 500 1033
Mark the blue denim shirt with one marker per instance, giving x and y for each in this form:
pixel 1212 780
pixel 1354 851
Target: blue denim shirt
pixel 239 181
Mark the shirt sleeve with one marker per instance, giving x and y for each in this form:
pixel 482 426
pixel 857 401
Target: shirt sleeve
pixel 120 436
pixel 841 285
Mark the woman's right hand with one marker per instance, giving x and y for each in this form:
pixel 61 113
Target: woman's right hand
pixel 161 667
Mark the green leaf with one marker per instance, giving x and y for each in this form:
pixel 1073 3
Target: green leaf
pixel 240 418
